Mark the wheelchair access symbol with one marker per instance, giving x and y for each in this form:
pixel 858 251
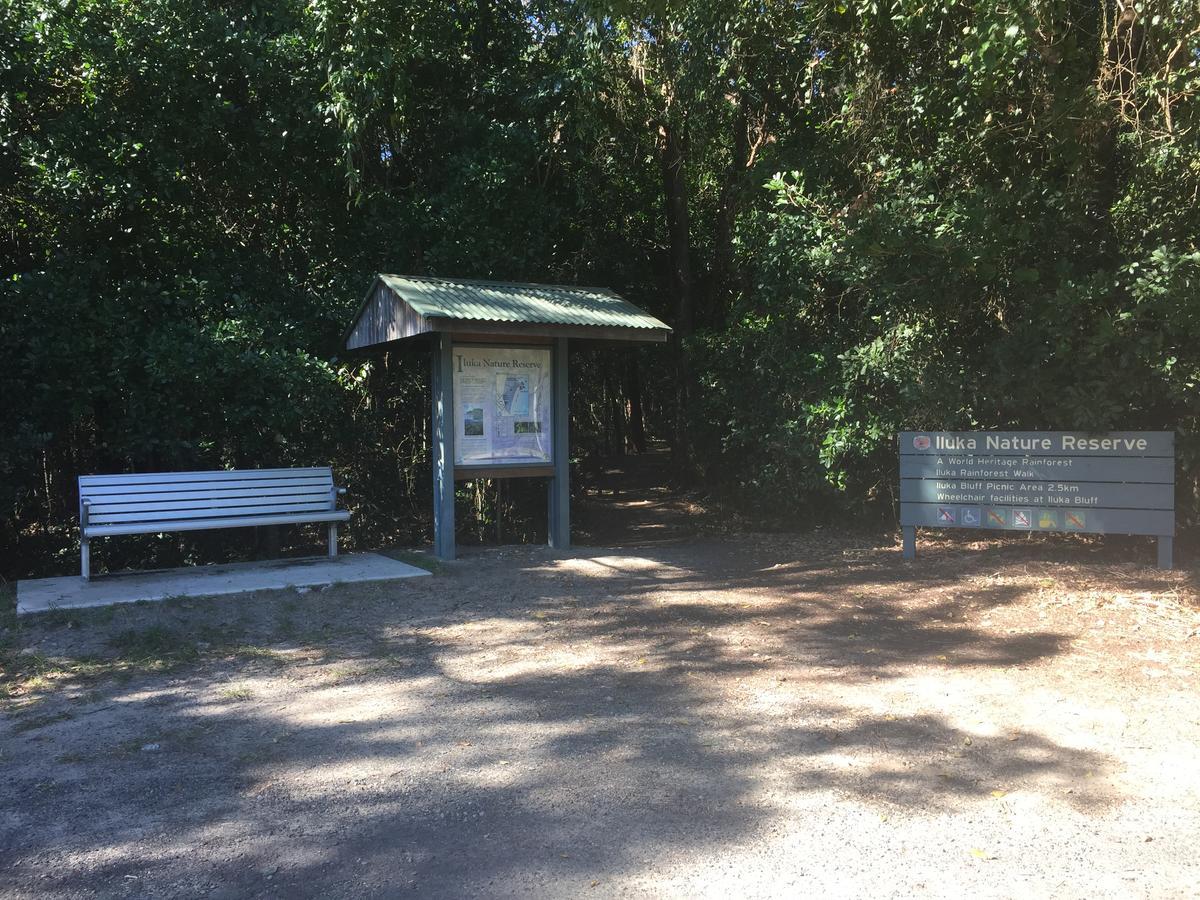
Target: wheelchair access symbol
pixel 971 517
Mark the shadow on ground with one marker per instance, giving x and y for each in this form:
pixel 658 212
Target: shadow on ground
pixel 521 723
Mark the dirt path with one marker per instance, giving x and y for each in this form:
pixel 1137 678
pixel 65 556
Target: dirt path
pixel 752 717
pixel 629 502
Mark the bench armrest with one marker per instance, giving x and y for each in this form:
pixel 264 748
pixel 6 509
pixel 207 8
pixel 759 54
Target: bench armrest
pixel 83 513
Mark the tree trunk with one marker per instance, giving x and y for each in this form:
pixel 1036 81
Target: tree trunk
pixel 633 395
pixel 1118 71
pixel 678 230
pixel 683 282
pixel 721 275
pixel 616 407
pixel 1122 57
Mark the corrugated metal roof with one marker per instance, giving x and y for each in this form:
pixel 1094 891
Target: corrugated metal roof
pixel 497 301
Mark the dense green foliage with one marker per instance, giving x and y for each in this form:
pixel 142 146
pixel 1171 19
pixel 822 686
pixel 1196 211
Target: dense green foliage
pixel 859 217
pixel 985 230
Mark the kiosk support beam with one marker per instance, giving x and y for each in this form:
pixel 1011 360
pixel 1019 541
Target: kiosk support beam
pixel 559 518
pixel 909 534
pixel 442 391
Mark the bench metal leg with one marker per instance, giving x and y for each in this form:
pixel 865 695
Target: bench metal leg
pixel 909 533
pixel 333 539
pixel 1166 546
pixel 85 559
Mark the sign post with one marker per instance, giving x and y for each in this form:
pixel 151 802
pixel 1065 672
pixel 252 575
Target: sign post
pixel 559 518
pixel 442 391
pixel 1115 483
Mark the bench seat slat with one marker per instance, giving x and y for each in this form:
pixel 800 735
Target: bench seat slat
pixel 209 513
pixel 331 515
pixel 183 487
pixel 206 501
pixel 219 475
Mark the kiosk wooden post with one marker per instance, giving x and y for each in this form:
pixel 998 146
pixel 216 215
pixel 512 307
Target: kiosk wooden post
pixel 559 518
pixel 1166 551
pixel 442 391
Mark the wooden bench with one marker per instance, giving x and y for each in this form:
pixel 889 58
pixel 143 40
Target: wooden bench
pixel 189 501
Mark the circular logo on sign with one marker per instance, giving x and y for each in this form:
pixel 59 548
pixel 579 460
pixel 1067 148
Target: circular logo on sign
pixel 921 442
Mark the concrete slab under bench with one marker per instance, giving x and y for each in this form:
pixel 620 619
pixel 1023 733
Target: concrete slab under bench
pixel 72 592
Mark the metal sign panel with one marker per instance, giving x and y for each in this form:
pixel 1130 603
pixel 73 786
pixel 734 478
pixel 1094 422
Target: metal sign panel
pixel 1038 443
pixel 1011 492
pixel 1119 482
pixel 1154 470
pixel 1031 518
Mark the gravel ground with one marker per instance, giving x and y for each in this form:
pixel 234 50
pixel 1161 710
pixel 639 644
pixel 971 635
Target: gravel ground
pixel 753 716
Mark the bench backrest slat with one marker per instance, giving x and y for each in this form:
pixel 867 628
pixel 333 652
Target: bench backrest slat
pixel 101 501
pixel 236 493
pixel 178 487
pixel 215 475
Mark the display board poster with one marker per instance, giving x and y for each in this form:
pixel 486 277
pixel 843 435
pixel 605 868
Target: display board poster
pixel 502 405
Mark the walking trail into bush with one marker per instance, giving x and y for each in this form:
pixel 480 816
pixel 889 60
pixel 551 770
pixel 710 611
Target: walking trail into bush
pixel 693 716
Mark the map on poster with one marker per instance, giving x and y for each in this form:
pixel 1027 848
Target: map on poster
pixel 502 401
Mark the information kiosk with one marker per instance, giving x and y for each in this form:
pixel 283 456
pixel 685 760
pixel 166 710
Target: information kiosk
pixel 499 375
